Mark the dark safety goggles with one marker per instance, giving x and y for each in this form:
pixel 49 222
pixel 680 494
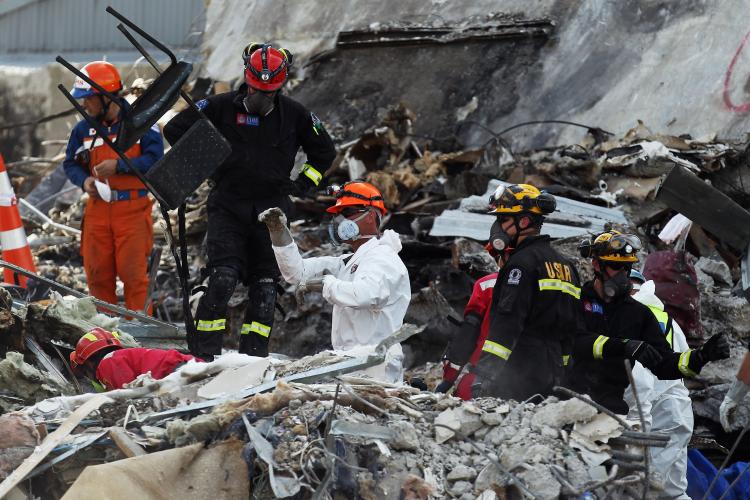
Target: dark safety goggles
pixel 340 191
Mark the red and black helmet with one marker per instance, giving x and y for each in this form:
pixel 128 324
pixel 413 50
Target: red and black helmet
pixel 266 68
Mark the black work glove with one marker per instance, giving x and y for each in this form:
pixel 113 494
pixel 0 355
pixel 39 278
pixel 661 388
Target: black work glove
pixel 643 352
pixel 444 386
pixel 715 348
pixel 298 187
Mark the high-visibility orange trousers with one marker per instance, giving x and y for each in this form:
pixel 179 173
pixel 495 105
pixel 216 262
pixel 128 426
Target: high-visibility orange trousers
pixel 116 241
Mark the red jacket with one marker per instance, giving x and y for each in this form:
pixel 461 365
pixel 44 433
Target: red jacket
pixel 124 365
pixel 479 304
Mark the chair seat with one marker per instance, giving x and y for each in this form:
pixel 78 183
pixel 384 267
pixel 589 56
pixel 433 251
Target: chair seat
pixel 156 100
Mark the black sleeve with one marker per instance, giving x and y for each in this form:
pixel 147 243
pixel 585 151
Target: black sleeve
pixel 182 121
pixel 317 145
pixel 465 339
pixel 511 303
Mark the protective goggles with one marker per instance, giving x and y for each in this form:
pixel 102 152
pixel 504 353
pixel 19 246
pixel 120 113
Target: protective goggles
pixel 340 191
pixel 505 197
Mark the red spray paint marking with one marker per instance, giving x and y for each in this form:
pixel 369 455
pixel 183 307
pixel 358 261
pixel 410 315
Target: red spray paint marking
pixel 737 108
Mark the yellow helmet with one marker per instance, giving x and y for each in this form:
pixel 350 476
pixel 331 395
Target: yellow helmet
pixel 521 199
pixel 612 246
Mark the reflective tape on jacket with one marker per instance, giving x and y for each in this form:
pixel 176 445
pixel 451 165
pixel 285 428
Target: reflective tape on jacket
pixel 560 286
pixel 255 327
pixel 497 349
pixel 599 346
pixel 311 173
pixel 211 325
pixel 566 359
pixel 684 364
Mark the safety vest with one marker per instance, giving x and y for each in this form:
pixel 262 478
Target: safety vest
pixel 100 151
pixel 663 318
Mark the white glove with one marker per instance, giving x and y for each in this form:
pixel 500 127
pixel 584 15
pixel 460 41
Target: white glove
pixel 275 220
pixel 728 408
pixel 307 286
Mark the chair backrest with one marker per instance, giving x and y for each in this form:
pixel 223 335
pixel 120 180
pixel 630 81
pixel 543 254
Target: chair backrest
pixel 156 100
pixel 192 159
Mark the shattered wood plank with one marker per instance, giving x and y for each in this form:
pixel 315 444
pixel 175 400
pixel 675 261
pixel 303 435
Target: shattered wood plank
pixel 125 443
pixel 706 206
pixel 50 442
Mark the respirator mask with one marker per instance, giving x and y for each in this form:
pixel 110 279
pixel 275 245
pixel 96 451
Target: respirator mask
pixel 618 285
pixel 259 103
pixel 342 229
pixel 499 239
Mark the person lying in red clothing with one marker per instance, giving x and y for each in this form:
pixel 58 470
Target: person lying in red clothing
pixel 100 357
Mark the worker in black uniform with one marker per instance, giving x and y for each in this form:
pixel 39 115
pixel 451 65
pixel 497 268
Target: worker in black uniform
pixel 265 130
pixel 619 327
pixel 534 313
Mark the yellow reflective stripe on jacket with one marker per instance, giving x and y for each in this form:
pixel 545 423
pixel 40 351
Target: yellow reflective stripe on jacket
pixel 669 338
pixel 311 173
pixel 560 286
pixel 684 363
pixel 566 359
pixel 496 349
pixel 211 325
pixel 255 327
pixel 98 386
pixel 599 346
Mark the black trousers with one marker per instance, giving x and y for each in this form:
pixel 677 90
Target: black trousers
pixel 239 249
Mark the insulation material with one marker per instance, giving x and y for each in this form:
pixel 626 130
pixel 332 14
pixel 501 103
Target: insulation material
pixel 189 473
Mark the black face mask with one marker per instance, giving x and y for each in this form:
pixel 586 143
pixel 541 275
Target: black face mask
pixel 499 239
pixel 617 286
pixel 259 103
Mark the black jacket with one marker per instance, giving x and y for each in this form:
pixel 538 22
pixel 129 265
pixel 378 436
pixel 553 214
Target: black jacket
pixel 599 369
pixel 534 317
pixel 256 174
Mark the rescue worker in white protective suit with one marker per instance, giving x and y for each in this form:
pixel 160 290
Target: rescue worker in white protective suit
pixel 666 404
pixel 369 289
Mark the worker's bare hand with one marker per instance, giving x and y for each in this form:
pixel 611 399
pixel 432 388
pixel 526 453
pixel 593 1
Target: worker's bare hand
pixel 274 218
pixel 105 169
pixel 90 187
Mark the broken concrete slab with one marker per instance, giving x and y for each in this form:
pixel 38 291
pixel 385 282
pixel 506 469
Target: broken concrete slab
pixel 18 438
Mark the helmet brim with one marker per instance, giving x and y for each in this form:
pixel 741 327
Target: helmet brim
pixel 82 93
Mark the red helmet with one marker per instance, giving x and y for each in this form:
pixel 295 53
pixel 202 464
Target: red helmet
pixel 266 68
pixel 91 343
pixel 102 73
pixel 356 194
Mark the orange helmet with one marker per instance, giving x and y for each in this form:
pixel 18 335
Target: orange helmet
pixel 102 73
pixel 91 343
pixel 356 194
pixel 266 67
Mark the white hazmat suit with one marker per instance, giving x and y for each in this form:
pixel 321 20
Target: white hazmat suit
pixel 666 407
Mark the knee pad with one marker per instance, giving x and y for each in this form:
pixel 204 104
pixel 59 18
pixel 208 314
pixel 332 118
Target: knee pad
pixel 262 300
pixel 221 285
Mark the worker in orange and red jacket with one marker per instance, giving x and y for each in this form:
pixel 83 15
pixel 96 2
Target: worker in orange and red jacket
pixel 466 346
pixel 100 357
pixel 118 234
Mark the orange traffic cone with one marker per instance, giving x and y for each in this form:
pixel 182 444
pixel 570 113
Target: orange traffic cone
pixel 15 248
